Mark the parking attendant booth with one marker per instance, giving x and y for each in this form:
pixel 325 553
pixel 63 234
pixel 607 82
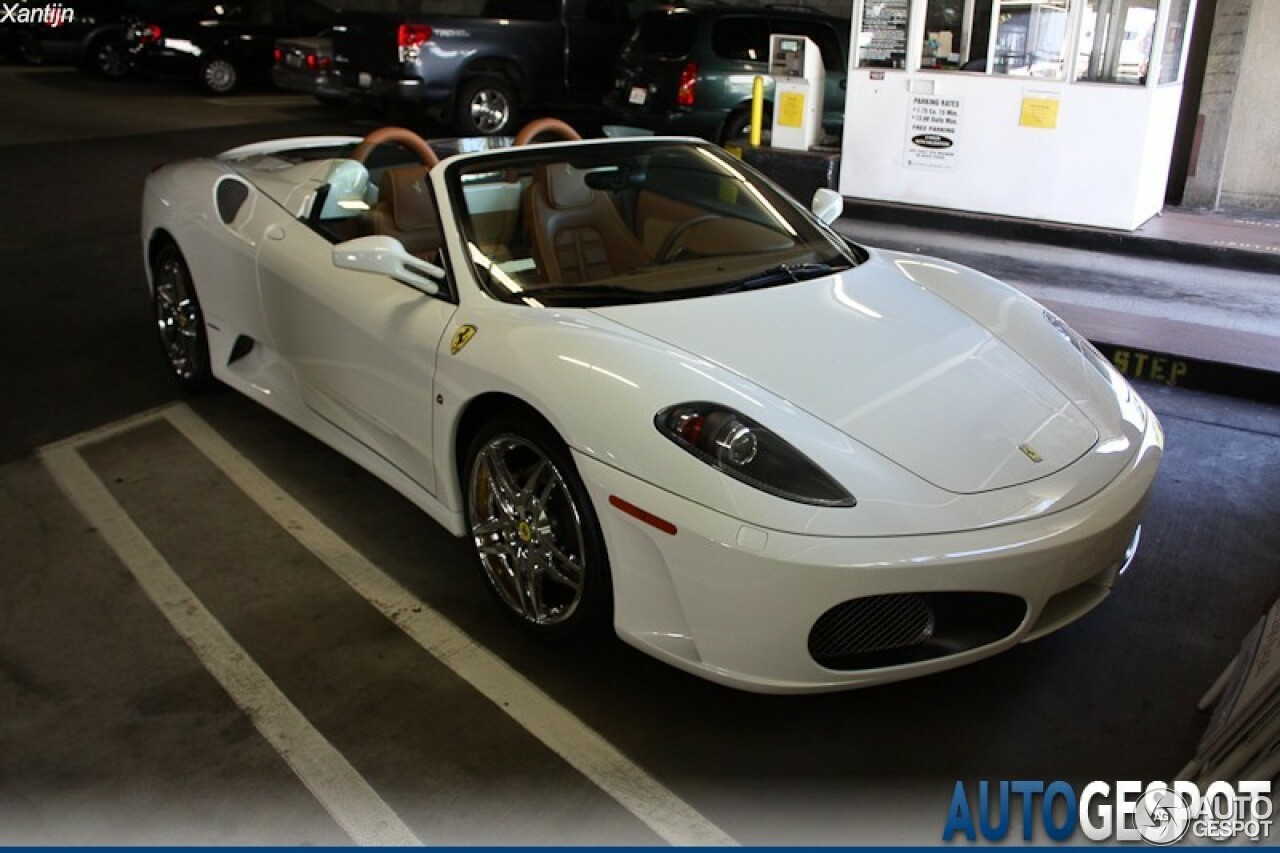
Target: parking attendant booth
pixel 1062 110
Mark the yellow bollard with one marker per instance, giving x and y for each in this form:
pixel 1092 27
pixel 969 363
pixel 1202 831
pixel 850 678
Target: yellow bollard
pixel 757 110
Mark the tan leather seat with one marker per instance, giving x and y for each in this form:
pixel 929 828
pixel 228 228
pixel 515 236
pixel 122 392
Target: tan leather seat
pixel 578 235
pixel 406 210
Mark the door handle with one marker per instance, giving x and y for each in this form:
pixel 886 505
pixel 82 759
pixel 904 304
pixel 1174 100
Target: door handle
pixel 274 232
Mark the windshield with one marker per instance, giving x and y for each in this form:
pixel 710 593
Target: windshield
pixel 633 221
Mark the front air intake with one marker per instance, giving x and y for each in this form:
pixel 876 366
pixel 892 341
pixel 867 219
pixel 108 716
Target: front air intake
pixel 891 630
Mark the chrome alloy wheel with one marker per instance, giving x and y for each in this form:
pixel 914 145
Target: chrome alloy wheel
pixel 528 530
pixel 490 110
pixel 219 76
pixel 110 59
pixel 178 320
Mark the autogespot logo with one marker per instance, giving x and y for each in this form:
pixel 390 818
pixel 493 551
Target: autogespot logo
pixel 1157 813
pixel 50 14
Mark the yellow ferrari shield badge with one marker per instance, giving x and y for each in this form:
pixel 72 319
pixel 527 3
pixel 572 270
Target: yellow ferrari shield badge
pixel 461 338
pixel 1030 452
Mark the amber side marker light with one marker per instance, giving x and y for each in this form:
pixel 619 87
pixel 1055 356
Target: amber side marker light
pixel 647 517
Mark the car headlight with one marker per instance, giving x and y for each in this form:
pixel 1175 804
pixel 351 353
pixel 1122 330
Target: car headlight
pixel 1096 359
pixel 738 446
pixel 1135 410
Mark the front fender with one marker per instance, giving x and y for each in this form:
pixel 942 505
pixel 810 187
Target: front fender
pixel 600 386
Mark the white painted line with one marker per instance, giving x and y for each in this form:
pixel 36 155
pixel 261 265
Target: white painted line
pixel 343 792
pixel 110 430
pixel 675 821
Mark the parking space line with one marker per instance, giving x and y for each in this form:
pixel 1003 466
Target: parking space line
pixel 110 430
pixel 580 746
pixel 344 793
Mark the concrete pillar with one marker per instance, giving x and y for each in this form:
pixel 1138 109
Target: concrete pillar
pixel 1251 177
pixel 1217 103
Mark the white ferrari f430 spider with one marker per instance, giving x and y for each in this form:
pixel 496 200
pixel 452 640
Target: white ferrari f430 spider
pixel 663 398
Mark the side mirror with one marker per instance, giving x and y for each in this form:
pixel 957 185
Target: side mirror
pixel 382 255
pixel 827 205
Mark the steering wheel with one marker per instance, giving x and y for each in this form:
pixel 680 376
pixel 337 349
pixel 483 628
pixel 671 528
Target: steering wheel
pixel 407 138
pixel 539 126
pixel 666 250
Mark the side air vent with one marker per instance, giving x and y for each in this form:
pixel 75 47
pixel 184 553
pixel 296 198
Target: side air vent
pixel 891 630
pixel 230 197
pixel 242 347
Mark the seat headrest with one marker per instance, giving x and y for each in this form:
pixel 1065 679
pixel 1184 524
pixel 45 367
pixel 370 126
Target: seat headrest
pixel 405 189
pixel 566 186
pixel 348 190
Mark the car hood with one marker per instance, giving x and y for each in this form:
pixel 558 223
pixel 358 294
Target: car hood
pixel 891 365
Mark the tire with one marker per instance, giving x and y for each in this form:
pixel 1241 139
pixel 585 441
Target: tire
pixel 219 75
pixel 107 57
pixel 536 533
pixel 486 106
pixel 737 128
pixel 184 339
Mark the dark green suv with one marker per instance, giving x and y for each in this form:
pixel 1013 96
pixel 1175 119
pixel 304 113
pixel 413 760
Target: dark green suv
pixel 688 69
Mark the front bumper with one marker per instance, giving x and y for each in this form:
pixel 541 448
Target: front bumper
pixel 739 604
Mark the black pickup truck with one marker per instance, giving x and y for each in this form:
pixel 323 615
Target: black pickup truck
pixel 477 67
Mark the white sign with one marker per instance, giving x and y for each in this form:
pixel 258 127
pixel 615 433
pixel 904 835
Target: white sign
pixel 933 130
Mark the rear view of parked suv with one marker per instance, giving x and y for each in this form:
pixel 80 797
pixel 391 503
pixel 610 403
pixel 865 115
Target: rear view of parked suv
pixel 689 69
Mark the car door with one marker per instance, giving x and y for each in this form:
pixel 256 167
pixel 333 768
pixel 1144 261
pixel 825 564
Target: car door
pixel 362 346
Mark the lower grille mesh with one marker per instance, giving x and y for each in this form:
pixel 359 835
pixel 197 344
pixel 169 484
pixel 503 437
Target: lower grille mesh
pixel 902 628
pixel 871 625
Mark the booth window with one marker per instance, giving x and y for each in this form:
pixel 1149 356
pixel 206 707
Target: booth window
pixel 956 33
pixel 1030 37
pixel 882 34
pixel 1115 41
pixel 943 34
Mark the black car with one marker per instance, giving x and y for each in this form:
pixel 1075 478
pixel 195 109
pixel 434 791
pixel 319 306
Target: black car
pixel 88 33
pixel 223 45
pixel 305 64
pixel 688 68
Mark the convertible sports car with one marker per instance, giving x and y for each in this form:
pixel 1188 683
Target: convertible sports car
pixel 662 397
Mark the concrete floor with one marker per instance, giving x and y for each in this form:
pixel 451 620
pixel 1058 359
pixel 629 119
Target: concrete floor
pixel 113 729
